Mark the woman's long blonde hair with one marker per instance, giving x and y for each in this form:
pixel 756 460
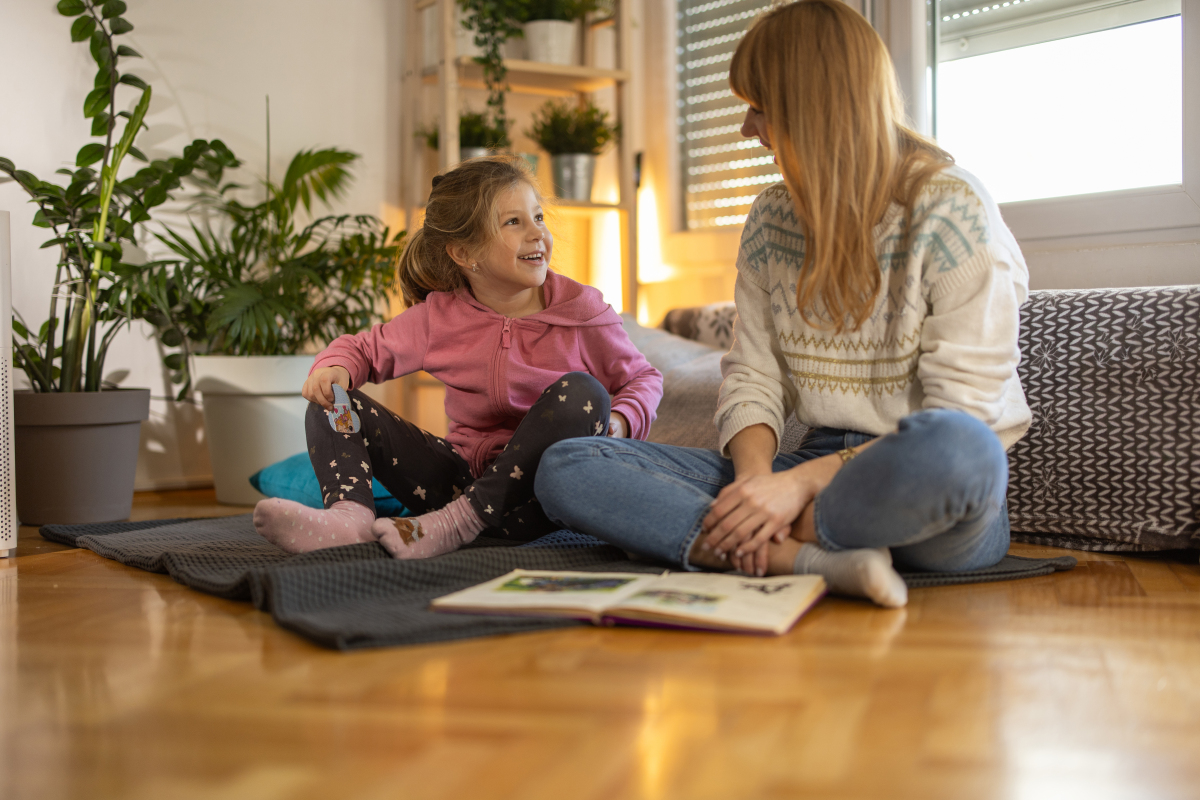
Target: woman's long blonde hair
pixel 462 210
pixel 825 82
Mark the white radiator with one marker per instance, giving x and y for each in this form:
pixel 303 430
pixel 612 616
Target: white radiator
pixel 8 481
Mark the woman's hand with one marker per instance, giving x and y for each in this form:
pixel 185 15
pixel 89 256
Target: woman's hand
pixel 318 388
pixel 757 509
pixel 618 426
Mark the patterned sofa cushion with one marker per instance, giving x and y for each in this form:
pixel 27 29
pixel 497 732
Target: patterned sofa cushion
pixel 1112 459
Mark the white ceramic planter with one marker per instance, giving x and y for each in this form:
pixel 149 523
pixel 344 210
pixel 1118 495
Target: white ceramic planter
pixel 552 41
pixel 253 416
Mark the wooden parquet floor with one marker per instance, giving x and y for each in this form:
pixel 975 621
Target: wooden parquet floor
pixel 116 683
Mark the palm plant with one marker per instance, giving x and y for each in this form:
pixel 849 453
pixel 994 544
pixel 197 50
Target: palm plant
pixel 94 213
pixel 257 280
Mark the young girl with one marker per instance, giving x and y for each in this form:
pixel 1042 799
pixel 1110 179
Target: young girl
pixel 877 295
pixel 528 358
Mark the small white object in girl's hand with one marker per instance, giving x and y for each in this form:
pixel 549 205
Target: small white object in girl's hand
pixel 342 418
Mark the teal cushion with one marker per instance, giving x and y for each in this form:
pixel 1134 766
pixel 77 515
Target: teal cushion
pixel 294 479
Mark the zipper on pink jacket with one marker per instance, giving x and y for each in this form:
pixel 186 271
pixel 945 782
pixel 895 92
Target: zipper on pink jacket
pixel 498 366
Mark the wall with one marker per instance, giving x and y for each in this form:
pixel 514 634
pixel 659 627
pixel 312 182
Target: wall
pixel 331 69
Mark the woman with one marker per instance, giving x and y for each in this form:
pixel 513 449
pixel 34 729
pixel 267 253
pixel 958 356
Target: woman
pixel 878 292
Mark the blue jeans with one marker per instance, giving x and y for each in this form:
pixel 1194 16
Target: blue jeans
pixel 933 492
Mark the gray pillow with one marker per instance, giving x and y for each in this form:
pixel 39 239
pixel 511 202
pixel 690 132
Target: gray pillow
pixel 691 384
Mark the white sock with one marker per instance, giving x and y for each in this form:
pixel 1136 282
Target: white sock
pixel 862 573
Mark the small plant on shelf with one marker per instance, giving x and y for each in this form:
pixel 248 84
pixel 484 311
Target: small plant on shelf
pixel 494 22
pixel 562 10
pixel 474 130
pixel 562 128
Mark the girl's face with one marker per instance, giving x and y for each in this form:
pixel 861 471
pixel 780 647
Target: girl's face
pixel 755 124
pixel 519 257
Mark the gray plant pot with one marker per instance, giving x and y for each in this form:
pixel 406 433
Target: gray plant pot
pixel 572 175
pixel 77 454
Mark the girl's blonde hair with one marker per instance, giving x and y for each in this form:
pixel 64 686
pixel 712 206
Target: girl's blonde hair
pixel 825 82
pixel 462 210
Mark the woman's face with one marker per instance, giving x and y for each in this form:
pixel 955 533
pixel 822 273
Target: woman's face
pixel 754 125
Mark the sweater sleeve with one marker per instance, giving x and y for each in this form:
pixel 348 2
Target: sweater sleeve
pixel 756 388
pixel 969 347
pixel 636 386
pixel 388 350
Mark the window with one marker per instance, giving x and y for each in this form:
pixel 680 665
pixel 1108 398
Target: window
pixel 721 172
pixel 1052 98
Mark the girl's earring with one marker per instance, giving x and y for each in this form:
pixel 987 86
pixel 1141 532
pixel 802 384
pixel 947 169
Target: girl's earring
pixel 474 267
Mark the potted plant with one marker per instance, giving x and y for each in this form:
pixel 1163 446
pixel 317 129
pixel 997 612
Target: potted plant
pixel 252 292
pixel 573 135
pixel 494 22
pixel 552 30
pixel 77 436
pixel 476 136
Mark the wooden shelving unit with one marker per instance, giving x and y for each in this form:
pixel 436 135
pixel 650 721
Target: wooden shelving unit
pixel 449 77
pixel 453 74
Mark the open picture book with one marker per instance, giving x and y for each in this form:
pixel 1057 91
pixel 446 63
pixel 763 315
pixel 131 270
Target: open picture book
pixel 699 600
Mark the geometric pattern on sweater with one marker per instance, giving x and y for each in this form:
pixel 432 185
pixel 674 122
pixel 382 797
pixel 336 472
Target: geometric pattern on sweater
pixel 1112 458
pixel 948 229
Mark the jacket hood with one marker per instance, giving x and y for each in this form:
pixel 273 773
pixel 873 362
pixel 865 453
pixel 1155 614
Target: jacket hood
pixel 568 303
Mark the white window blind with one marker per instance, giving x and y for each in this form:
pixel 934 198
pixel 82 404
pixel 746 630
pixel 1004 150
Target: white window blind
pixel 974 27
pixel 722 172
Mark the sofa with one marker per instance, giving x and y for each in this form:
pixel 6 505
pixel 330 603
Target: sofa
pixel 1112 458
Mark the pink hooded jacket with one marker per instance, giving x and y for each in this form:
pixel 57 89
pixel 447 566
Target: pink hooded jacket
pixel 495 367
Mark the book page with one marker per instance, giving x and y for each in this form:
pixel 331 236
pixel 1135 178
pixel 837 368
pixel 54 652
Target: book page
pixel 721 601
pixel 576 594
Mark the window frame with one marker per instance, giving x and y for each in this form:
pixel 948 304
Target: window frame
pixel 1103 218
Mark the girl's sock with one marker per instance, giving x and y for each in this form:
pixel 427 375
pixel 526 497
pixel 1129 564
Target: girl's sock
pixel 431 534
pixel 297 528
pixel 863 573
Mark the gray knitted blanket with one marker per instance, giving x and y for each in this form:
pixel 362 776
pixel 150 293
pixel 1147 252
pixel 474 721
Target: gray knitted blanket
pixel 358 596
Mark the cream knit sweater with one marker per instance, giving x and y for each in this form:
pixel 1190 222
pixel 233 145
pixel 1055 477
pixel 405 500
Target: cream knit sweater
pixel 943 333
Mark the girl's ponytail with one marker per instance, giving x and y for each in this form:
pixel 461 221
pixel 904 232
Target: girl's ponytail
pixel 461 210
pixel 421 272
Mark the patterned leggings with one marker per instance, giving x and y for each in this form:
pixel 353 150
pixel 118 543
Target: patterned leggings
pixel 425 472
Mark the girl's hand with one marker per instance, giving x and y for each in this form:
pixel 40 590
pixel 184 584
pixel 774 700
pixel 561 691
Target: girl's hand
pixel 757 509
pixel 618 426
pixel 318 388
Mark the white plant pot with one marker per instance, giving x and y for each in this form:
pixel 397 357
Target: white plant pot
pixel 552 41
pixel 253 416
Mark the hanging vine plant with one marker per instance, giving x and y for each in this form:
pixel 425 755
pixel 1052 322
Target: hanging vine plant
pixel 493 23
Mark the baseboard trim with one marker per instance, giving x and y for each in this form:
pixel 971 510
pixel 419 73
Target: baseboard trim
pixel 173 484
